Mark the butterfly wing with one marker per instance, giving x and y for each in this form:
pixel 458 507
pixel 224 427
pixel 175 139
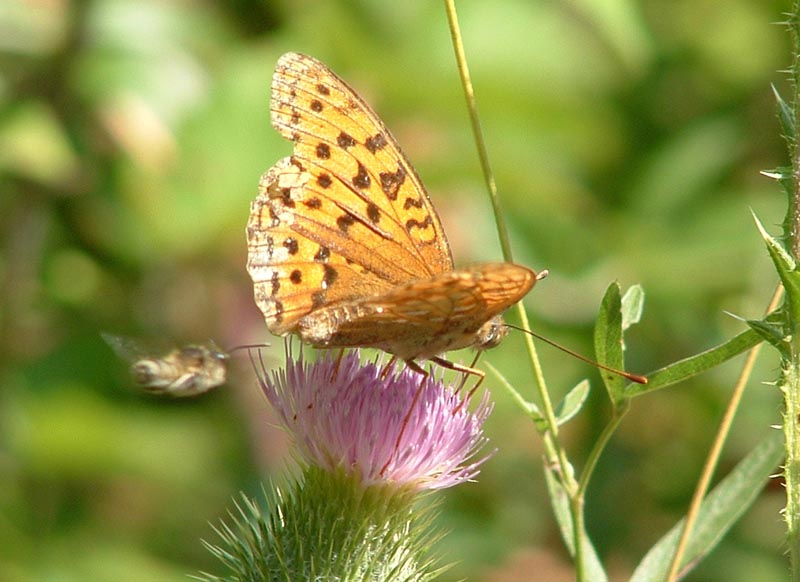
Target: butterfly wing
pixel 345 216
pixel 423 318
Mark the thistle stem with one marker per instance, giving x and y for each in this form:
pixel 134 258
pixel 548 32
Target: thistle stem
pixel 790 366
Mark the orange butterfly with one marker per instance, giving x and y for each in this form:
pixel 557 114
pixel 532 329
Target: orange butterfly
pixel 345 248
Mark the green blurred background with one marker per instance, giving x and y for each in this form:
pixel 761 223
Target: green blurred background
pixel 627 139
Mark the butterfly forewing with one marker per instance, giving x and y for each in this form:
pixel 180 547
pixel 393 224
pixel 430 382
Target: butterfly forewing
pixel 294 272
pixel 346 215
pixel 355 161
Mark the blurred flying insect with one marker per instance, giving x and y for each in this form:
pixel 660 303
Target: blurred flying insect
pixel 186 371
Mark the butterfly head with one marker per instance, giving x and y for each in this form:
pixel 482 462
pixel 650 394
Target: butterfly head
pixel 491 333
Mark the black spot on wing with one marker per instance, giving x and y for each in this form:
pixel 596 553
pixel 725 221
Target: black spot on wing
pixel 323 151
pixel 286 197
pixel 275 284
pixel 375 143
pixel 322 255
pixel 361 179
pixel 413 223
pixel 291 245
pixel 391 182
pixel 318 299
pixel 412 203
pixel 344 222
pixel 373 212
pixel 330 276
pixel 345 141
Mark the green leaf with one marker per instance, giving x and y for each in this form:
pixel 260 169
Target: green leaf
pixel 786 267
pixel 559 500
pixel 691 366
pixel 785 114
pixel 772 329
pixel 719 511
pixel 632 306
pixel 783 175
pixel 608 341
pixel 572 402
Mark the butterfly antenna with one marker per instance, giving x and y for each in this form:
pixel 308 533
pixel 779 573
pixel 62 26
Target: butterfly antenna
pixel 628 375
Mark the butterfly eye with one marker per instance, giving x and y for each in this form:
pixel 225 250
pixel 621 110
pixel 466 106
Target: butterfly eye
pixel 491 333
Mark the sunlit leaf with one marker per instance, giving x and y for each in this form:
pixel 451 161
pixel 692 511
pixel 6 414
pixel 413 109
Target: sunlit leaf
pixel 721 509
pixel 608 340
pixel 693 365
pixel 572 402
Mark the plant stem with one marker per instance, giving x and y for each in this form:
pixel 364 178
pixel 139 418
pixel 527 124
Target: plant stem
pixel 477 131
pixel 790 373
pixel 502 229
pixel 792 224
pixel 792 466
pixel 600 445
pixel 555 453
pixel 576 503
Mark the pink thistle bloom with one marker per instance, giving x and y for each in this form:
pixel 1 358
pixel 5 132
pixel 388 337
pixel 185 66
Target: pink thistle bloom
pixel 354 421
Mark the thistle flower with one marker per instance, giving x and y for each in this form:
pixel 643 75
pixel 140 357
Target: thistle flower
pixel 380 428
pixel 370 443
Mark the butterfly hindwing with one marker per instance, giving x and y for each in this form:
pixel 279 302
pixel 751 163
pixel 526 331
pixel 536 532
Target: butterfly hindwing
pixel 422 318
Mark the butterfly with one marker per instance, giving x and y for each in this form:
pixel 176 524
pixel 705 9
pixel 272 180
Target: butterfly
pixel 186 371
pixel 345 248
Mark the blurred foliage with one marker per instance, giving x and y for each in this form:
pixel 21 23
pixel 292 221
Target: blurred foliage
pixel 627 138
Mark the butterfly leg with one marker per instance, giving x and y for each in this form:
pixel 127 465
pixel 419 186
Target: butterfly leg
pixel 411 364
pixel 466 370
pixel 388 367
pixel 337 364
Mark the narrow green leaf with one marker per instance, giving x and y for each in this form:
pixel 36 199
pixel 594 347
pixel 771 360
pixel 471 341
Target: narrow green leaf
pixel 783 175
pixel 691 366
pixel 720 510
pixel 770 332
pixel 572 402
pixel 786 267
pixel 785 114
pixel 608 341
pixel 771 328
pixel 632 306
pixel 559 500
